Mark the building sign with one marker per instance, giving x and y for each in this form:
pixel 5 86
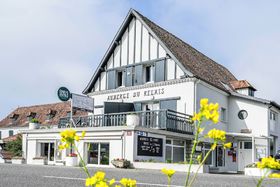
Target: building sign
pixel 142 93
pixel 63 94
pixel 149 146
pixel 82 102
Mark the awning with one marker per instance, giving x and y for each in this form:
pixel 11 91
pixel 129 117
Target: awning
pixel 249 135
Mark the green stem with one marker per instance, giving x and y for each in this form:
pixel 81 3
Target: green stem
pixel 192 154
pixel 84 167
pixel 261 179
pixel 202 163
pixel 169 181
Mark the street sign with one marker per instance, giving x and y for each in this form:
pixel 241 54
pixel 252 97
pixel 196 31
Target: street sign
pixel 63 94
pixel 82 102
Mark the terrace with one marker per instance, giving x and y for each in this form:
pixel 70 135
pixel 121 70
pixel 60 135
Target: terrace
pixel 157 119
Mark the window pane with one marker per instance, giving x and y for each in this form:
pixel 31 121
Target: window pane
pixel 178 142
pixel 209 158
pixel 93 153
pixel 247 145
pixel 148 73
pixel 120 78
pixel 104 153
pixel 178 154
pixel 168 153
pixel 168 141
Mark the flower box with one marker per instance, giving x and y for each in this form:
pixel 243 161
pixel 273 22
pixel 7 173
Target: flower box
pixel 40 161
pixel 33 126
pixel 132 119
pixel 121 163
pixel 18 160
pixel 257 172
pixel 71 160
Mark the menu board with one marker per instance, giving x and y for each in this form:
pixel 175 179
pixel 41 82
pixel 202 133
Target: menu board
pixel 149 146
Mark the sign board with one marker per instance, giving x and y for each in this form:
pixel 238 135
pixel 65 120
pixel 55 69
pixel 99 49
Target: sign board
pixel 82 102
pixel 63 94
pixel 149 146
pixel 142 133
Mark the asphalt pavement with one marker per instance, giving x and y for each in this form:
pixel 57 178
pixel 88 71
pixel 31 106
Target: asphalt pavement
pixel 46 176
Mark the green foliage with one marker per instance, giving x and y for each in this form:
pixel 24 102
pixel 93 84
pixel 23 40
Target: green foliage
pixel 34 120
pixel 15 147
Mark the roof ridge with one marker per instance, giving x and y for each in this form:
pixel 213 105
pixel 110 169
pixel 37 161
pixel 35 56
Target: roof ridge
pixel 41 105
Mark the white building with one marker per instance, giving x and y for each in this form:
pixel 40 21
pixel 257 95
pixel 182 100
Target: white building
pixel 149 72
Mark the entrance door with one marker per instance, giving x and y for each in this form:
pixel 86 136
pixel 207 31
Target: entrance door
pixel 244 154
pixel 47 150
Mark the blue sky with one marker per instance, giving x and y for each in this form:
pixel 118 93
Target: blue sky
pixel 45 44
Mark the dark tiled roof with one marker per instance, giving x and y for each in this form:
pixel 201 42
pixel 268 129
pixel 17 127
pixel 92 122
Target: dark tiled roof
pixel 194 61
pixel 241 84
pixel 22 113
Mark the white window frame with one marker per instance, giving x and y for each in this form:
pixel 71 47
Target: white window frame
pixel 172 146
pixel 99 153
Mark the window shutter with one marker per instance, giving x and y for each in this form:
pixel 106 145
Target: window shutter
pixel 137 106
pixel 160 71
pixel 111 80
pixel 138 80
pixel 169 104
pixel 129 76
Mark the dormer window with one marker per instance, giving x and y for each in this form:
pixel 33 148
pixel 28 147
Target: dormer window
pixel 14 117
pixel 243 87
pixel 51 114
pixel 31 116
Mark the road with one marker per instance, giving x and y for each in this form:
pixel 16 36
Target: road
pixel 47 176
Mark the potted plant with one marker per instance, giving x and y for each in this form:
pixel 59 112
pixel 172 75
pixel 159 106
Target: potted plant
pixel 40 160
pixel 17 160
pixel 132 119
pixel 71 160
pixel 34 124
pixel 121 163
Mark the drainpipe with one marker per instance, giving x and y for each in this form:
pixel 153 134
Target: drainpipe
pixel 195 92
pixel 123 144
pixel 253 148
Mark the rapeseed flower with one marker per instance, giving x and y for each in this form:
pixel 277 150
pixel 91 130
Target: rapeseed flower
pixel 68 137
pixel 268 162
pixel 209 111
pixel 128 182
pixel 274 175
pixel 168 172
pixel 217 135
pixel 227 145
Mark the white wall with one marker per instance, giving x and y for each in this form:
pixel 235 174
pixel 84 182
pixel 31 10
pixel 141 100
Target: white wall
pixel 184 91
pixel 215 96
pixel 5 131
pixel 257 119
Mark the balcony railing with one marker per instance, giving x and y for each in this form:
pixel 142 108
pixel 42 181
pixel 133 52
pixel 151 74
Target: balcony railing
pixel 157 119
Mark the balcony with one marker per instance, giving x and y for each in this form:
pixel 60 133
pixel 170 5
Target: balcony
pixel 157 119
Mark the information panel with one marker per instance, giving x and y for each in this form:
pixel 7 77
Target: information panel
pixel 149 146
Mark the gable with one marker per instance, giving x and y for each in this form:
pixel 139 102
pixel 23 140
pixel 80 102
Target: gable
pixel 133 44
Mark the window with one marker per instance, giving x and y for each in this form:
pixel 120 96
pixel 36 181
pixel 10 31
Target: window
pixel 51 114
pixel 148 74
pixel 223 114
pixel 209 160
pixel 247 145
pixel 174 151
pixel 242 114
pixel 98 153
pixel 0 135
pixel 251 92
pixel 11 132
pixel 120 79
pixel 272 116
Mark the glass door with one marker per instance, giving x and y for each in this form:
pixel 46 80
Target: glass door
pixel 98 153
pixel 47 150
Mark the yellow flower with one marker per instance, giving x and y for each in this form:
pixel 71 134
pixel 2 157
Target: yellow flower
pixel 128 182
pixel 77 138
pixel 91 181
pixel 204 103
pixel 101 184
pixel 69 137
pixel 274 175
pixel 99 175
pixel 213 147
pixel 227 145
pixel 112 181
pixel 168 172
pixel 83 134
pixel 268 162
pixel 217 135
pixel 197 117
pixel 200 130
